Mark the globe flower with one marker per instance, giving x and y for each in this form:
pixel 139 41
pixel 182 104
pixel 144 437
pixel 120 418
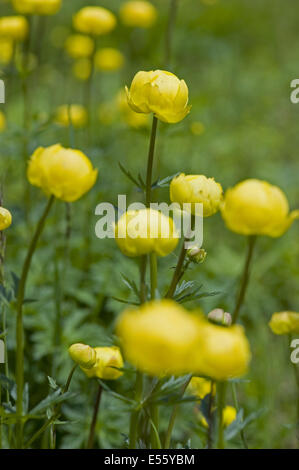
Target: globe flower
pixel 75 114
pixel 108 362
pixel 5 218
pixel 197 189
pixel 138 14
pixel 83 355
pixel 109 59
pixel 6 51
pixel 65 173
pixel 255 207
pixel 159 337
pixel 2 121
pixel 130 117
pixel 201 387
pixel 79 46
pixel 229 414
pixel 283 323
pixel 95 21
pixel 82 69
pixel 14 28
pixel 140 232
pixel 36 7
pixel 161 93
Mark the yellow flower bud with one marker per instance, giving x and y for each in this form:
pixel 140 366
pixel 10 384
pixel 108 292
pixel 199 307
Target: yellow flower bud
pixel 37 7
pixel 201 387
pixel 196 255
pixel 133 119
pixel 159 337
pixel 83 355
pixel 218 315
pixel 2 120
pixel 145 231
pixel 109 59
pixel 197 189
pixel 74 114
pixel 14 27
pixel 229 415
pixel 6 51
pixel 283 323
pixel 5 218
pixel 108 362
pixel 255 207
pixel 66 173
pixel 140 14
pixel 79 46
pixel 94 20
pixel 161 93
pixel 82 69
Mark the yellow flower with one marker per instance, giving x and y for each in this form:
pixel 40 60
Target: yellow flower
pixel 201 387
pixel 109 59
pixel 139 232
pixel 83 355
pixel 37 7
pixel 5 218
pixel 66 173
pixel 197 128
pixel 74 114
pixel 108 361
pixel 133 119
pixel 159 337
pixel 14 27
pixel 283 323
pixel 197 189
pixel 6 50
pixel 82 69
pixel 161 93
pixel 138 14
pixel 255 207
pixel 2 121
pixel 79 46
pixel 229 415
pixel 94 20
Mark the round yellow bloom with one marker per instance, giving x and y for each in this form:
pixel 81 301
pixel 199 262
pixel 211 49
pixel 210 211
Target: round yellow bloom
pixel 79 46
pixel 36 7
pixel 133 119
pixel 140 232
pixel 283 323
pixel 109 59
pixel 6 50
pixel 159 337
pixel 94 20
pixel 82 69
pixel 2 121
pixel 5 218
pixel 255 207
pixel 108 361
pixel 138 14
pixel 197 189
pixel 83 355
pixel 229 415
pixel 161 93
pixel 74 114
pixel 14 27
pixel 66 173
pixel 201 387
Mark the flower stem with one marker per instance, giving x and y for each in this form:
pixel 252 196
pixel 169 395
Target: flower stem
pixel 154 274
pixel 150 161
pixel 169 32
pixel 177 273
pixel 94 418
pixel 221 392
pixel 211 418
pixel 236 403
pixel 135 413
pixel 19 325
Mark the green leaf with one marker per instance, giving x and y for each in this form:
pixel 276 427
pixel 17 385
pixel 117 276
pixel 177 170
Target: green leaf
pixel 52 399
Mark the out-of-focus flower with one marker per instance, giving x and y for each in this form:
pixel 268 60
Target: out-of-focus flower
pixel 65 173
pixel 82 69
pixel 14 27
pixel 218 315
pixel 197 189
pixel 197 128
pixel 75 114
pixel 6 50
pixel 283 323
pixel 36 7
pixel 2 121
pixel 108 362
pixel 95 21
pixel 133 119
pixel 140 14
pixel 229 415
pixel 255 207
pixel 140 232
pixel 109 59
pixel 161 93
pixel 159 337
pixel 79 46
pixel 83 355
pixel 5 218
pixel 201 387
pixel 58 36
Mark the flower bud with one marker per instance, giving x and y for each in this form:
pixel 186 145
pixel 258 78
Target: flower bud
pixel 83 355
pixel 5 218
pixel 201 387
pixel 221 317
pixel 109 59
pixel 229 415
pixel 139 14
pixel 36 7
pixel 6 52
pixel 94 20
pixel 79 46
pixel 108 362
pixel 196 255
pixel 14 27
pixel 75 115
pixel 283 323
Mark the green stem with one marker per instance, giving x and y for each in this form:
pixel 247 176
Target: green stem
pixel 221 392
pixel 135 413
pixel 150 161
pixel 169 32
pixel 154 274
pixel 143 262
pixel 236 403
pixel 177 273
pixel 245 278
pixel 19 325
pixel 211 417
pixel 94 418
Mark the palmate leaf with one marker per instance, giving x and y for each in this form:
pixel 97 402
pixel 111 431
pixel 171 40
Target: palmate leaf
pixel 165 182
pixel 52 399
pixel 131 284
pixel 188 290
pixel 137 182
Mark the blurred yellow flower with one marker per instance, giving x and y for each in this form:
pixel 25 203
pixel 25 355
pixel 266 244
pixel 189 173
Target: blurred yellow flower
pixel 94 21
pixel 108 361
pixel 283 323
pixel 197 189
pixel 6 50
pixel 82 69
pixel 140 14
pixel 36 7
pixel 74 114
pixel 255 207
pixel 201 387
pixel 14 27
pixel 161 93
pixel 65 173
pixel 2 121
pixel 159 337
pixel 83 355
pixel 133 119
pixel 140 232
pixel 229 415
pixel 79 46
pixel 5 218
pixel 109 59
pixel 197 128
